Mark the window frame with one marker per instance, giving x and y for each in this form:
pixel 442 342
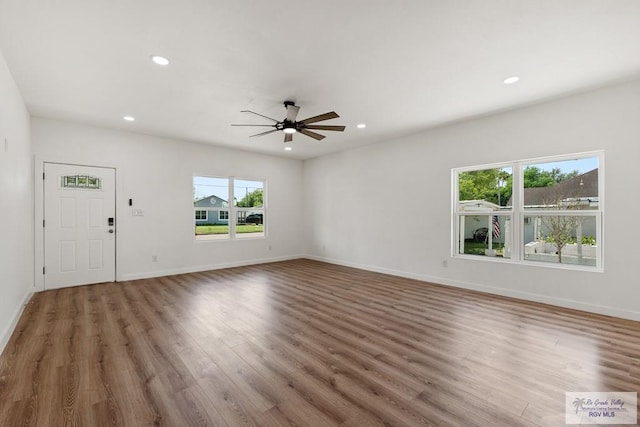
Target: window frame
pixel 517 213
pixel 244 212
pixel 231 211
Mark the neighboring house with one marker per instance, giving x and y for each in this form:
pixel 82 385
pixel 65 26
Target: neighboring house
pixel 580 191
pixel 219 215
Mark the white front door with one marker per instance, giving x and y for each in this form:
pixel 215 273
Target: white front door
pixel 79 225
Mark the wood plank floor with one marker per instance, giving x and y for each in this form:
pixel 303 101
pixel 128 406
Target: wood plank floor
pixel 303 343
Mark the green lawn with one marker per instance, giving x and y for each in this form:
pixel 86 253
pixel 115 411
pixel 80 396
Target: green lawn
pixel 475 248
pixel 224 229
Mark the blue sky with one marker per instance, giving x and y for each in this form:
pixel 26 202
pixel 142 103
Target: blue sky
pixel 207 186
pixel 581 165
pixel 566 166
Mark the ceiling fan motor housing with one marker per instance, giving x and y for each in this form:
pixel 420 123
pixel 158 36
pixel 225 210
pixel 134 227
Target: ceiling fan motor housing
pixel 289 127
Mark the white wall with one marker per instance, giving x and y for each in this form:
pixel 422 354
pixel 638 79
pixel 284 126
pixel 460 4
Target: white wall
pixel 16 204
pixel 387 207
pixel 157 174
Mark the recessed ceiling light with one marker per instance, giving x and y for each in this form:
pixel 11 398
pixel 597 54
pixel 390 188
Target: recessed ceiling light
pixel 288 148
pixel 511 80
pixel 129 118
pixel 160 60
pixel 361 126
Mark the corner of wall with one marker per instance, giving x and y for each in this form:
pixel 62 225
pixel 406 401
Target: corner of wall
pixel 8 330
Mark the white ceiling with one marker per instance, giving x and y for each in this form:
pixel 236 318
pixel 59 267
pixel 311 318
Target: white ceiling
pixel 398 66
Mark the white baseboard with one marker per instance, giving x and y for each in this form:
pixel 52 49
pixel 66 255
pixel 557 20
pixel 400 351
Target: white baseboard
pixel 6 334
pixel 560 302
pixel 198 268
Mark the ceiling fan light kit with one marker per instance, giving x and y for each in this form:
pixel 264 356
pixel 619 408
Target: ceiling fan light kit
pixel 290 126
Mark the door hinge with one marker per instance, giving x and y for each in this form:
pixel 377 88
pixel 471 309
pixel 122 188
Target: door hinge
pixel 42 270
pixel 43 223
pixel 43 176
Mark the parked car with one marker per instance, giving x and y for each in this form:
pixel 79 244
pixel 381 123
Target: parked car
pixel 253 219
pixel 480 234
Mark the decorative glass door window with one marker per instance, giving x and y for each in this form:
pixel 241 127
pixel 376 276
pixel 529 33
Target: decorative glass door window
pixel 81 181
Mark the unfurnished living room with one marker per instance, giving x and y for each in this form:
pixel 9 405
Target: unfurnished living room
pixel 278 213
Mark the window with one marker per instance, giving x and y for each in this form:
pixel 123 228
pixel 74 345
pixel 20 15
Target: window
pixel 484 209
pixel 546 211
pixel 210 200
pixel 249 203
pixel 81 181
pixel 216 218
pixel 562 204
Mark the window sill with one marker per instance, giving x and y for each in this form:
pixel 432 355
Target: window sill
pixel 497 259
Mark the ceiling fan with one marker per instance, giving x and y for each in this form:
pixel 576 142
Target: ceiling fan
pixel 290 126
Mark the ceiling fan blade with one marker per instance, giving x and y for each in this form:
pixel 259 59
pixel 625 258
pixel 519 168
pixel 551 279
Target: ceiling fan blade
pixel 254 125
pixel 261 115
pixel 326 127
pixel 292 112
pixel 264 133
pixel 312 134
pixel 321 117
pixel 288 137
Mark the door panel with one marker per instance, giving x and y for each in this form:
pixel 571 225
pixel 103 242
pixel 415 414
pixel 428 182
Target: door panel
pixel 67 213
pixel 96 213
pixel 96 254
pixel 67 256
pixel 79 244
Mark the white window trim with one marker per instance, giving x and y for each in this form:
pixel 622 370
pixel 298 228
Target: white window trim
pixel 232 209
pixel 206 214
pixel 517 212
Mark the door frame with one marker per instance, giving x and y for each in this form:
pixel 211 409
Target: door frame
pixel 38 229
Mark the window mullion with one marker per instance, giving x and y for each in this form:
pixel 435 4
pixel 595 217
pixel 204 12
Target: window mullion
pixel 232 209
pixel 517 237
